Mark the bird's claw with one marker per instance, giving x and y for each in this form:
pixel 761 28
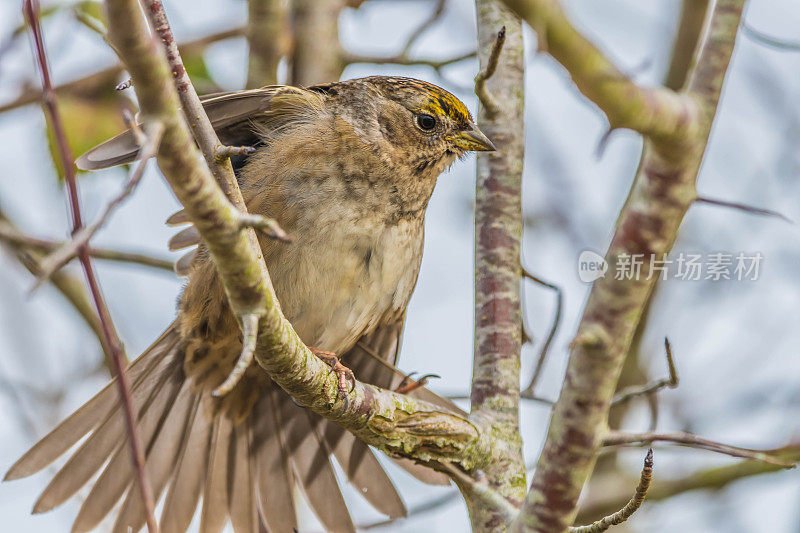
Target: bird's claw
pixel 344 375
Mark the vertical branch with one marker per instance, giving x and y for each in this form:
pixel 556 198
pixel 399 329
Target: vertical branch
pixel 690 28
pixel 110 337
pixel 268 39
pixel 498 229
pixel 317 56
pixel 662 192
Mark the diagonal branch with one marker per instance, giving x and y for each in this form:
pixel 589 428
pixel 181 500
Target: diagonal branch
pixel 112 342
pixel 437 13
pixel 653 111
pixel 662 192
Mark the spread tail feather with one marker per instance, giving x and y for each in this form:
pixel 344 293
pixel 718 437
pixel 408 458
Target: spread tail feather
pixel 244 463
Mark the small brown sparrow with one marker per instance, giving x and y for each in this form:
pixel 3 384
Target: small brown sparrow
pixel 347 170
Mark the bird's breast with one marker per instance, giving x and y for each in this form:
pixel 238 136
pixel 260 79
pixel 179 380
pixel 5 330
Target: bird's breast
pixel 345 273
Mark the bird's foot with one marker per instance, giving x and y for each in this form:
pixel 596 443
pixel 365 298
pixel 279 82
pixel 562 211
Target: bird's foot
pixel 343 374
pixel 409 385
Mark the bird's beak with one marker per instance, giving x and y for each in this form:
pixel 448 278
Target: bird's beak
pixel 473 140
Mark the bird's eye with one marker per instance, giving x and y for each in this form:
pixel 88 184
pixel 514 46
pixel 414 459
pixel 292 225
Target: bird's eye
pixel 426 122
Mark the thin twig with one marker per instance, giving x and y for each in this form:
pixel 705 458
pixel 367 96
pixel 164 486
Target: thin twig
pixel 90 22
pixel 631 507
pixel 422 28
pixel 613 496
pixel 80 239
pixel 784 45
pixel 226 152
pixel 670 382
pixel 267 226
pixel 743 207
pixel 435 64
pixel 249 338
pixel 31 11
pixel 529 392
pixel 10 234
pixel 491 65
pixel 621 438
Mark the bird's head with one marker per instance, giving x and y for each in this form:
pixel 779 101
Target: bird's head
pixel 423 121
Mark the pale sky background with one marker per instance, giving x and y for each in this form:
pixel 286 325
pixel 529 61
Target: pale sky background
pixel 736 343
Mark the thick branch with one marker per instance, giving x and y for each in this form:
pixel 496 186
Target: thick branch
pixel 652 111
pixel 392 422
pixel 662 191
pixel 498 230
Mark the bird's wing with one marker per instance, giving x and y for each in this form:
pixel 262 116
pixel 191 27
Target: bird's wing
pixel 232 115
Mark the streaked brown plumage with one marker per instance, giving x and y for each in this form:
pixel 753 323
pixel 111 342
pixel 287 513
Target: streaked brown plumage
pixel 347 169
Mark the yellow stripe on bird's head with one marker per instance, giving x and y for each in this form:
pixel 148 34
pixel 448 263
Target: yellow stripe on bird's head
pixel 422 97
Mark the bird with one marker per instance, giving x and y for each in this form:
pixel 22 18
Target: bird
pixel 347 169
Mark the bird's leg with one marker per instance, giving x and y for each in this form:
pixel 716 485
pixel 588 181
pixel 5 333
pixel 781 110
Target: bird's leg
pixel 343 373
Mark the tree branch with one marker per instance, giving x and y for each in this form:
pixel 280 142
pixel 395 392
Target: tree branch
pixel 435 64
pixel 317 56
pixel 652 111
pixel 529 392
pixel 268 37
pixel 687 37
pixel 631 507
pixel 634 391
pixel 112 342
pixel 498 230
pixel 437 13
pixel 13 236
pixel 622 438
pixel 664 188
